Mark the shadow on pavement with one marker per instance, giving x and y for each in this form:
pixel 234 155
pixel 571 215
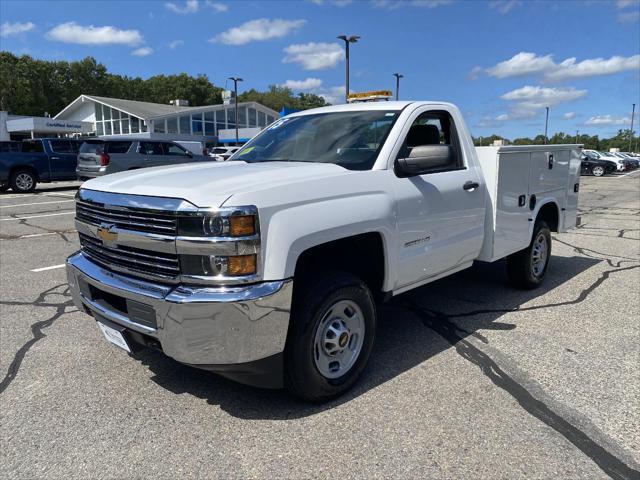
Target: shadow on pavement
pixel 479 296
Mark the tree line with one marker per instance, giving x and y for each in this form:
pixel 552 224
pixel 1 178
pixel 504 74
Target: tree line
pixel 591 142
pixel 32 87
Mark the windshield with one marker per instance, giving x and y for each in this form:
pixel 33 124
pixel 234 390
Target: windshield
pixel 349 139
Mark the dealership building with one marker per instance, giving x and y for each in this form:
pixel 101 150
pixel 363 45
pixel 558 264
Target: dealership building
pixel 116 118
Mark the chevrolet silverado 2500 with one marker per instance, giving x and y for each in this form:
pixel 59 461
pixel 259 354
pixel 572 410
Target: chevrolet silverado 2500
pixel 267 268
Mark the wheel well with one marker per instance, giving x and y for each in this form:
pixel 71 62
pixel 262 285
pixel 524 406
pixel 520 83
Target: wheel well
pixel 549 213
pixel 24 167
pixel 361 255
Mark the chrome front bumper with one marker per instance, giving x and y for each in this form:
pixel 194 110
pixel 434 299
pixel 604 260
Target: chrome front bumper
pixel 201 326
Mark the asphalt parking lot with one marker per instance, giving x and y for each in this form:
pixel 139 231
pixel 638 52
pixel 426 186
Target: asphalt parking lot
pixel 469 378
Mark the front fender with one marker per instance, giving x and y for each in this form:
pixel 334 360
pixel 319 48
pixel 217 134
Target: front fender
pixel 296 228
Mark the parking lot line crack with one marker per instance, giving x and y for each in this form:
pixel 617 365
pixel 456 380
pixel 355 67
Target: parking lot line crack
pixel 37 327
pixel 447 329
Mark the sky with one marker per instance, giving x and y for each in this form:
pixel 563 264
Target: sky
pixel 501 61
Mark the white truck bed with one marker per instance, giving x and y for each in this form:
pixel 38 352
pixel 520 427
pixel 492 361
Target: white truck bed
pixel 515 174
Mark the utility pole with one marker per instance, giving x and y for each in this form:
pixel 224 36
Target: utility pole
pixel 633 112
pixel 546 124
pixel 577 132
pixel 398 77
pixel 347 40
pixel 235 89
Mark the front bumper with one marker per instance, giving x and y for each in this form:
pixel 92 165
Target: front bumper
pixel 90 171
pixel 216 328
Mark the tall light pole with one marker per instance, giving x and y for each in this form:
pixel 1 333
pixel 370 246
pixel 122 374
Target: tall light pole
pixel 235 90
pixel 633 112
pixel 398 77
pixel 546 124
pixel 347 40
pixel 577 132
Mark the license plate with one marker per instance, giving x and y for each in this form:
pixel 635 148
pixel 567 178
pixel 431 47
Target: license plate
pixel 114 336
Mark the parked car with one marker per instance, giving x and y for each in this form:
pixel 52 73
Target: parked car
pixel 221 154
pixel 267 268
pixel 101 157
pixel 596 167
pixel 631 161
pixel 196 147
pixel 39 160
pixel 621 165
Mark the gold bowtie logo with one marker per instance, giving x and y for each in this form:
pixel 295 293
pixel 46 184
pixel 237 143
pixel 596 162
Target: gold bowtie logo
pixel 106 234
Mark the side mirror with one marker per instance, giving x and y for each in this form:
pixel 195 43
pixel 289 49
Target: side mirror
pixel 189 154
pixel 423 159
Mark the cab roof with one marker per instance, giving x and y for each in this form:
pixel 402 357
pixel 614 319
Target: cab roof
pixel 360 106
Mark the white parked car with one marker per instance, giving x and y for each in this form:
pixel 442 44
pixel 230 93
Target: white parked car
pixel 353 204
pixel 221 154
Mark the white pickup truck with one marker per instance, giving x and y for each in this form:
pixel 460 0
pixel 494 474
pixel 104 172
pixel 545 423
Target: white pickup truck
pixel 267 268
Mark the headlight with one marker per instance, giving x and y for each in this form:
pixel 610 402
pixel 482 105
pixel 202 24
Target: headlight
pixel 239 223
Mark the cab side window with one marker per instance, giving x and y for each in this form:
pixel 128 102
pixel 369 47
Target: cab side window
pixel 434 128
pixel 174 150
pixel 151 148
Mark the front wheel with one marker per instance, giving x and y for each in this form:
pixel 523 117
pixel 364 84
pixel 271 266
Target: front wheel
pixel 598 171
pixel 526 268
pixel 23 181
pixel 330 337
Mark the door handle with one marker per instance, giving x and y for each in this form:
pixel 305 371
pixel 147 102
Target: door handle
pixel 470 186
pixel 55 158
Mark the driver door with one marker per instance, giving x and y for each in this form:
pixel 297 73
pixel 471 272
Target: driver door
pixel 440 213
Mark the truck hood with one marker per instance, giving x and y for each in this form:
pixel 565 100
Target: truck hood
pixel 211 184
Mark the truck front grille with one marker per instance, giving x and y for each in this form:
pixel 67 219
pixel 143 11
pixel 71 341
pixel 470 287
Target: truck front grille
pixel 129 219
pixel 134 260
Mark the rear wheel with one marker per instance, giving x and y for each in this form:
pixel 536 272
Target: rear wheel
pixel 330 337
pixel 23 181
pixel 526 268
pixel 598 171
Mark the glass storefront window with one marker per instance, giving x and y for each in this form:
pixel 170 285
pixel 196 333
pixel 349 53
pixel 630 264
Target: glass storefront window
pixel 107 128
pixel 106 111
pixel 242 117
pixel 231 118
pixel 99 128
pixel 262 119
pixel 196 126
pixel 125 125
pixel 143 126
pixel 172 125
pixel 135 125
pixel 115 114
pixel 270 119
pixel 98 111
pixel 158 126
pixel 253 121
pixel 209 116
pixel 116 127
pixel 184 124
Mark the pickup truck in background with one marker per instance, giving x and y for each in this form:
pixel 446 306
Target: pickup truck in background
pixel 268 268
pixel 39 160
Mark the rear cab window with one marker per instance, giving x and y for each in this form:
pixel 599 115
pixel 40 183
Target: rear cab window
pixel 61 146
pixel 95 148
pixel 33 147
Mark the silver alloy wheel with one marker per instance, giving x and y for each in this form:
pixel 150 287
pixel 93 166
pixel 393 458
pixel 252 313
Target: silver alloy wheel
pixel 338 340
pixel 539 254
pixel 598 171
pixel 24 181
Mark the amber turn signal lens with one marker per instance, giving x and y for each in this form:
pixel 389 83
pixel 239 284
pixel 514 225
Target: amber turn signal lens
pixel 241 265
pixel 242 226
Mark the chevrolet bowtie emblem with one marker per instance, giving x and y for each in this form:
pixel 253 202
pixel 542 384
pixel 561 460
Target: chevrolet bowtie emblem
pixel 106 234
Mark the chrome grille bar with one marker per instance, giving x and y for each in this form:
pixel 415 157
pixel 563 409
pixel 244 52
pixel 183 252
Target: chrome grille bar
pixel 163 224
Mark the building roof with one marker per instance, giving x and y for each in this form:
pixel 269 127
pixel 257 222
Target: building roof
pixel 143 110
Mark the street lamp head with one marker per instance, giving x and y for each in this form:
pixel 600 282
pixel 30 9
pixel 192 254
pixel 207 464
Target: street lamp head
pixel 398 75
pixel 349 39
pixel 235 79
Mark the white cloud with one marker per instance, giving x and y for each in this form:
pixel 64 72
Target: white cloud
pixel 527 101
pixel 607 121
pixel 314 56
pixel 569 115
pixel 142 52
pixel 190 6
pixel 217 6
pixel 527 63
pixel 502 117
pixel 393 4
pixel 7 29
pixel 258 30
pixel 626 3
pixel 333 95
pixel 629 17
pixel 307 84
pixel 175 44
pixel 337 3
pixel 71 32
pixel 505 6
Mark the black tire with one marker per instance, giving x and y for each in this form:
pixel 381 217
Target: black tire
pixel 312 301
pixel 23 181
pixel 598 171
pixel 521 267
pixel 4 188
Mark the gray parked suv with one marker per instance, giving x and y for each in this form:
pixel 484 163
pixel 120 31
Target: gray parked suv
pixel 101 157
